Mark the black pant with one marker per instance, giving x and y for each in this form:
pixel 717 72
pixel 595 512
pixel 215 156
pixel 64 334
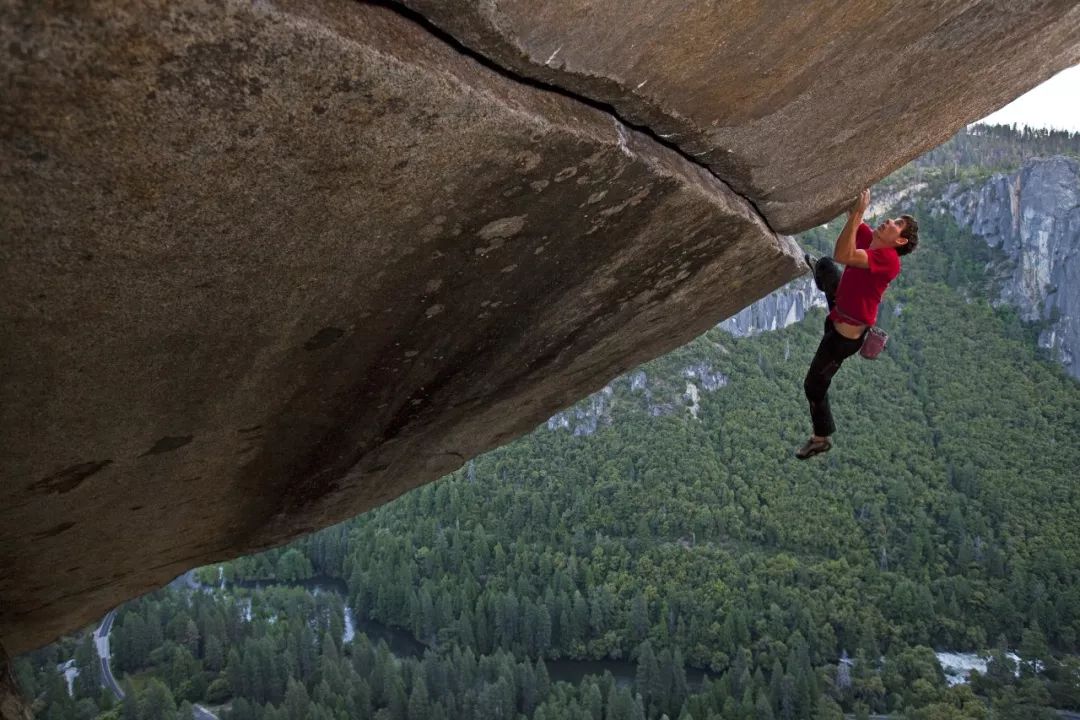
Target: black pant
pixel 832 351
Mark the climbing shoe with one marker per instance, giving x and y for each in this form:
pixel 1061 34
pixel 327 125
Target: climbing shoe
pixel 813 447
pixel 810 262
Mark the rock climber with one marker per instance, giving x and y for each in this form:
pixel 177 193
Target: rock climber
pixel 871 260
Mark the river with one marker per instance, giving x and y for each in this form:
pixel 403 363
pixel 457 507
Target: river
pixel 957 666
pixel 403 644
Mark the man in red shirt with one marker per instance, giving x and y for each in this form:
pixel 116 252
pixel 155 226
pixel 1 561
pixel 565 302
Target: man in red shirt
pixel 871 259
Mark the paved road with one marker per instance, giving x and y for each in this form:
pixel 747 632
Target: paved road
pixel 101 638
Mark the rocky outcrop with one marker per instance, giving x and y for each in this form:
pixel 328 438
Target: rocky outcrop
pixel 586 417
pixel 709 377
pixel 268 265
pixel 635 393
pixel 1033 216
pixel 775 311
pixel 797 105
pixel 12 705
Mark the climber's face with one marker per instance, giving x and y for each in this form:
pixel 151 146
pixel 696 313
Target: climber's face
pixel 888 232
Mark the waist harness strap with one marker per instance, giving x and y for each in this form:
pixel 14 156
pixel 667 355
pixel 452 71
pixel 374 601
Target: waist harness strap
pixel 847 317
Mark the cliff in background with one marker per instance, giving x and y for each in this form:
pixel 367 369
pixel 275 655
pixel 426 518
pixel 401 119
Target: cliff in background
pixel 1033 216
pixel 777 310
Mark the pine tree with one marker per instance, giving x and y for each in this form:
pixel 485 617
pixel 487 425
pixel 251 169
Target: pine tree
pixel 543 628
pixel 526 684
pixel 427 624
pixel 543 681
pixel 464 629
pixel 639 619
pixel 418 701
pixel 620 706
pixel 129 705
pixel 739 673
pixel 297 703
pixel 763 708
pixel 776 678
pixel 383 675
pixel 679 688
pixel 1033 649
pixel 191 637
pixel 592 701
pixel 87 683
pixel 787 698
pixel 361 699
pixel 579 620
pixel 234 670
pixel 214 657
pixel 827 709
pixel 156 702
pixel 241 710
pixel 648 673
pixel 397 702
pixel 57 700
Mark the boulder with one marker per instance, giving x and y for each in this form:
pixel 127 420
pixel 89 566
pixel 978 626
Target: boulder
pixel 269 265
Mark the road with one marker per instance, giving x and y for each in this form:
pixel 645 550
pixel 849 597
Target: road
pixel 101 639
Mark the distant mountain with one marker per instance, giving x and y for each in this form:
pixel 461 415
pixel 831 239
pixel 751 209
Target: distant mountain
pixel 1033 216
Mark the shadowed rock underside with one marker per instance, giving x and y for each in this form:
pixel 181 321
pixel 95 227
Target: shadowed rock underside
pixel 267 267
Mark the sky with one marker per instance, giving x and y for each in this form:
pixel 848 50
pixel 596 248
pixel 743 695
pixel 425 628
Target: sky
pixel 1054 104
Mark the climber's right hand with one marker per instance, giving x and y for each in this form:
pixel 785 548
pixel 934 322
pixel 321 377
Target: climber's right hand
pixel 860 204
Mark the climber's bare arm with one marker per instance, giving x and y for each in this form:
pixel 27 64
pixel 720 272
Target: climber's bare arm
pixel 845 251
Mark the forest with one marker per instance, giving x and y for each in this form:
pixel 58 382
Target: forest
pixel 674 530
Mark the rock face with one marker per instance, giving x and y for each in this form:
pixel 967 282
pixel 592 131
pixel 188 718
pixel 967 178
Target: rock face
pixel 797 105
pixel 781 308
pixel 12 705
pixel 1033 216
pixel 635 392
pixel 268 265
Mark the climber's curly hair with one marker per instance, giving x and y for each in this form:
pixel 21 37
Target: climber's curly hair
pixel 911 232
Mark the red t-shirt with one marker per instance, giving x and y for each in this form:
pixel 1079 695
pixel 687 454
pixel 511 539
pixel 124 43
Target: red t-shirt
pixel 860 290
